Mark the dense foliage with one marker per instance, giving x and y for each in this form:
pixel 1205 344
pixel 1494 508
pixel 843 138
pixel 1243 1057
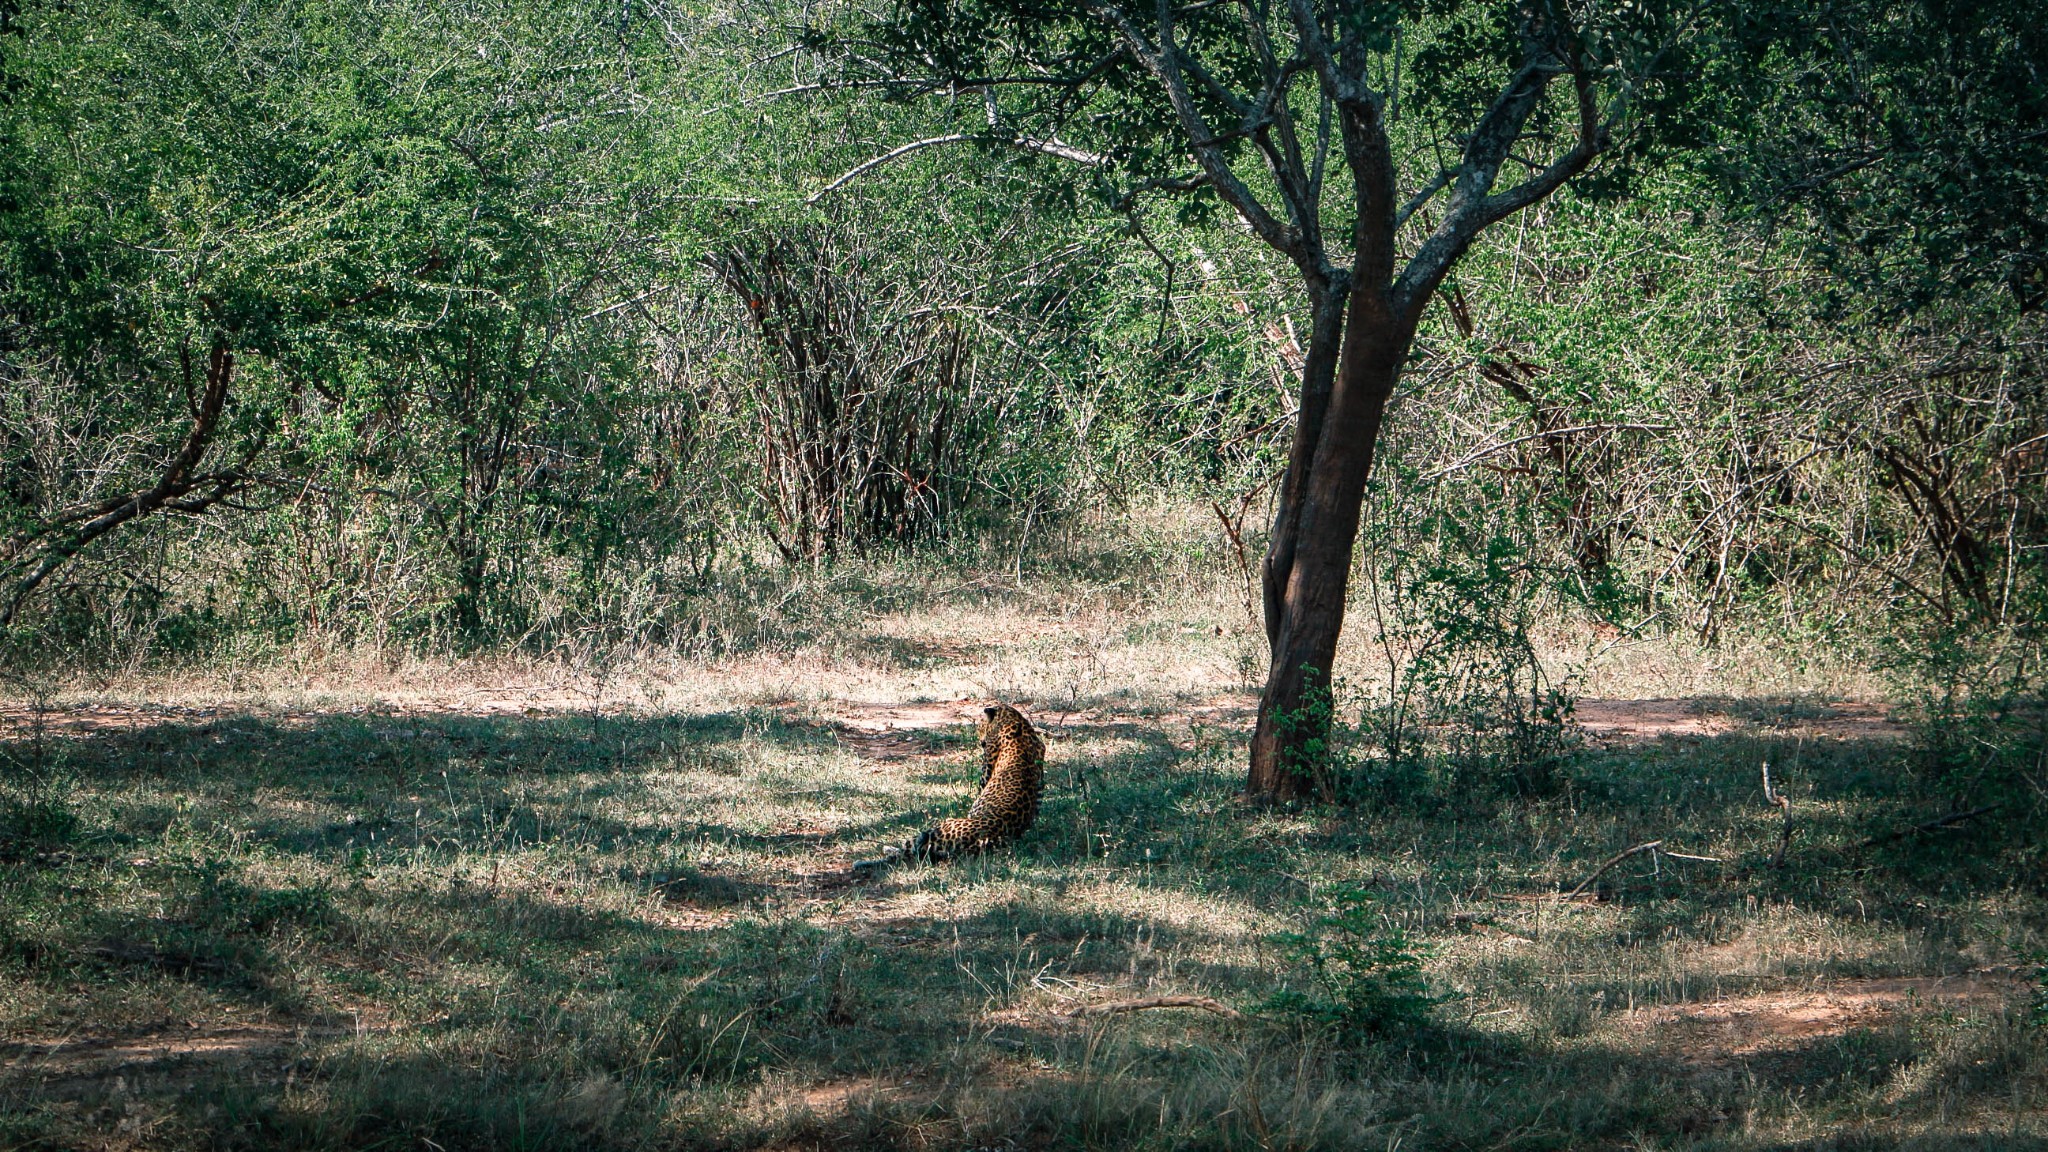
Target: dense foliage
pixel 475 478
pixel 567 323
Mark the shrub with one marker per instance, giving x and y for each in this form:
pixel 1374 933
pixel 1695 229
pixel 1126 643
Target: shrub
pixel 34 825
pixel 1363 974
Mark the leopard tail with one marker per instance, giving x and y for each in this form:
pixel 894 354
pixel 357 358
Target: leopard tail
pixel 918 847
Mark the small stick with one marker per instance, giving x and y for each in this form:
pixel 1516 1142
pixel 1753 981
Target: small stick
pixel 1936 825
pixel 1784 805
pixel 1602 870
pixel 1480 923
pixel 1113 1006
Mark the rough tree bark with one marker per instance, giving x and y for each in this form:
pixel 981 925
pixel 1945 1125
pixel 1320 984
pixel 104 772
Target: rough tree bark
pixel 1307 571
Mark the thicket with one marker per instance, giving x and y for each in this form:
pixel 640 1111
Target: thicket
pixel 431 327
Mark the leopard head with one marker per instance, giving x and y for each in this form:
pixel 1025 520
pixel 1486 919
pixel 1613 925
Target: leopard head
pixel 997 721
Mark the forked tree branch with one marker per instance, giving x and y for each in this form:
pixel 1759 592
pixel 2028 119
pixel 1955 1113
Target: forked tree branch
pixel 1424 196
pixel 174 490
pixel 1308 30
pixel 1602 870
pixel 1593 138
pixel 1164 61
pixel 1473 205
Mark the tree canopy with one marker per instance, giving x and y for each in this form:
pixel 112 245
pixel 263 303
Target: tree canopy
pixel 540 322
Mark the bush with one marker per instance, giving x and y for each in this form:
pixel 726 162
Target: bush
pixel 1466 706
pixel 1465 680
pixel 35 825
pixel 33 820
pixel 1363 974
pixel 1978 713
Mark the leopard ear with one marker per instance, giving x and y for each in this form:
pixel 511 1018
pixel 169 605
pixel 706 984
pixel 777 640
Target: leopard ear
pixel 989 712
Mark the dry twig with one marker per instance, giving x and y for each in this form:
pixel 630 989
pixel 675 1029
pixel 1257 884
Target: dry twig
pixel 1111 1007
pixel 1936 825
pixel 1652 846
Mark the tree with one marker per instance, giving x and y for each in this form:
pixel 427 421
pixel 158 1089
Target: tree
pixel 1907 140
pixel 248 254
pixel 1247 103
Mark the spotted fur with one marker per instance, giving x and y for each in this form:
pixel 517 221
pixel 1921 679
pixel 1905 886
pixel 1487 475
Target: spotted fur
pixel 1012 780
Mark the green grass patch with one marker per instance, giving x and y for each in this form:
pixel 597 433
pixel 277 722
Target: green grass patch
pixel 341 930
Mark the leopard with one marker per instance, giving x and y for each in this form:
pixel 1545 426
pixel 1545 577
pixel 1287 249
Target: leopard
pixel 1005 807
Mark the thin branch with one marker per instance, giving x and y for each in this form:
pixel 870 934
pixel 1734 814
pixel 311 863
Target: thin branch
pixel 1164 62
pixel 1187 183
pixel 1771 796
pixel 925 85
pixel 1056 148
pixel 173 489
pixel 1415 203
pixel 865 166
pixel 1618 857
pixel 1507 444
pixel 1028 143
pixel 1250 116
pixel 1112 1007
pixel 1938 824
pixel 1322 152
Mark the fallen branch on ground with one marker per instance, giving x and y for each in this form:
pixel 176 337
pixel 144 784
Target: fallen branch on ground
pixel 1602 870
pixel 149 955
pixel 1111 1007
pixel 1935 825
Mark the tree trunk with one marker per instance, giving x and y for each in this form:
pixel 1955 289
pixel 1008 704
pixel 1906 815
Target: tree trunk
pixel 1308 560
pixel 1318 380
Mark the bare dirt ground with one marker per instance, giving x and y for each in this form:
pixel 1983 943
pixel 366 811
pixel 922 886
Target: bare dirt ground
pixel 1612 720
pixel 1725 1032
pixel 71 1066
pixel 1634 721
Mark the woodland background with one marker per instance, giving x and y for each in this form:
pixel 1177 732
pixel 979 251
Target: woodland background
pixel 545 334
pixel 360 353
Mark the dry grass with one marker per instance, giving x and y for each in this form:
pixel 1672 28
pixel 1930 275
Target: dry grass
pixel 343 903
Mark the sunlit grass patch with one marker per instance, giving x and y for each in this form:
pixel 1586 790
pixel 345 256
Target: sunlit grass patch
pixel 631 927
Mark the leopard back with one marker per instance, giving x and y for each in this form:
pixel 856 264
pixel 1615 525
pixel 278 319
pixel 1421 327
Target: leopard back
pixel 1012 781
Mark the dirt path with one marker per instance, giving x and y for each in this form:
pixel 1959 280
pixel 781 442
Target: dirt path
pixel 158 1062
pixel 1606 721
pixel 1732 1030
pixel 1639 721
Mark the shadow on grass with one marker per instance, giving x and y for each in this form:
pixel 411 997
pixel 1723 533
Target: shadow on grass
pixel 313 869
